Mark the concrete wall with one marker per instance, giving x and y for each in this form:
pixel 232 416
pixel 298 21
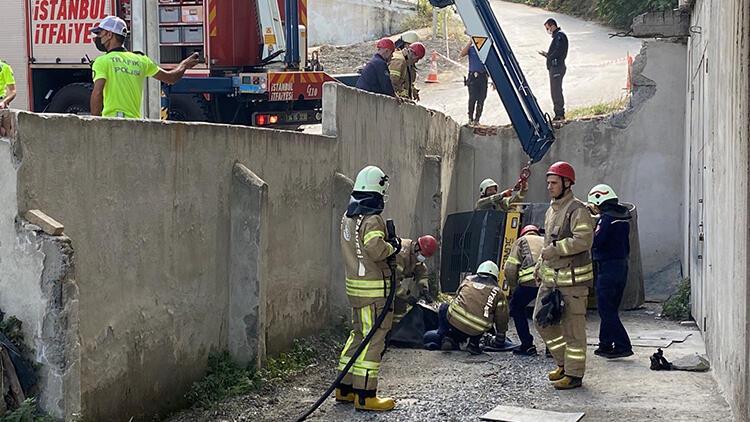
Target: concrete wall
pixel 37 287
pixel 639 152
pixel 351 21
pixel 717 165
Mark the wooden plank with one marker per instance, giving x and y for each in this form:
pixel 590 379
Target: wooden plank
pixel 10 371
pixel 520 414
pixel 48 224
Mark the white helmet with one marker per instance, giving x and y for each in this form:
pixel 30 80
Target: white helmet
pixel 488 268
pixel 371 179
pixel 601 193
pixel 409 37
pixel 486 183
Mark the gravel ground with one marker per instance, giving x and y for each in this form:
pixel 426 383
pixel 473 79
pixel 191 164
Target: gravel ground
pixel 454 386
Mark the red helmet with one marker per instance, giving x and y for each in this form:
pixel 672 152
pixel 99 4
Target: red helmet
pixel 529 228
pixel 418 49
pixel 386 43
pixel 427 245
pixel 563 169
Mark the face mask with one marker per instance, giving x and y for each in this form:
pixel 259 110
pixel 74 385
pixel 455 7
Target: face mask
pixel 100 45
pixel 421 258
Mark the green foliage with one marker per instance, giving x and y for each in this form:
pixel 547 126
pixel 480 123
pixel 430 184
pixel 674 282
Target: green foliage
pixel 601 109
pixel 677 307
pixel 11 327
pixel 618 13
pixel 423 19
pixel 27 412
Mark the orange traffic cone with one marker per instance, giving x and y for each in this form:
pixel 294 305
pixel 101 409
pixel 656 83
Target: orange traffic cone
pixel 432 78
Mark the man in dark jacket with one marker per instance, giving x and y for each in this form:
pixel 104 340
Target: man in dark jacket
pixel 376 77
pixel 556 55
pixel 610 254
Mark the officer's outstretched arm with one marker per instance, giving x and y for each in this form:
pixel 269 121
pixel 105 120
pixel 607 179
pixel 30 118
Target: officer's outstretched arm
pixel 172 76
pixel 582 226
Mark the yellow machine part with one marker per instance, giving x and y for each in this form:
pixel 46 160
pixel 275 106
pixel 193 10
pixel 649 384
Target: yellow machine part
pixel 512 229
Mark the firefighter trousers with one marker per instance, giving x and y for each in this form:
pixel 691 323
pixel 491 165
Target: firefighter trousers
pixel 567 340
pixel 363 375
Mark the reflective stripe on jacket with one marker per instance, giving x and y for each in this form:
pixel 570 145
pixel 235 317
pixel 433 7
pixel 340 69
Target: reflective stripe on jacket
pixel 364 250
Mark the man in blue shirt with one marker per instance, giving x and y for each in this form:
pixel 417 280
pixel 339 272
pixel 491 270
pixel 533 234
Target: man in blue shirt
pixel 476 82
pixel 376 77
pixel 610 255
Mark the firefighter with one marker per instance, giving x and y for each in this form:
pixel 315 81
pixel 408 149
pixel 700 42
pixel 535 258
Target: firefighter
pixel 519 273
pixel 565 265
pixel 406 39
pixel 410 263
pixel 610 253
pixel 490 199
pixel 478 306
pixel 365 249
pixel 119 74
pixel 376 77
pixel 7 85
pixel 403 69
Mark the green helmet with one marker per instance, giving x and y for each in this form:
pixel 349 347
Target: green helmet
pixel 601 193
pixel 488 268
pixel 371 179
pixel 486 183
pixel 410 37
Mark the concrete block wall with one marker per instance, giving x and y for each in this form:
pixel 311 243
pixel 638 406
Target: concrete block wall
pixel 716 176
pixel 37 286
pixel 343 22
pixel 639 152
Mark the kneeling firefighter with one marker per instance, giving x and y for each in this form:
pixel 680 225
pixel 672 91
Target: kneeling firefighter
pixel 365 249
pixel 479 304
pixel 411 273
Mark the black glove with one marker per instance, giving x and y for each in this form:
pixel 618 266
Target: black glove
pixel 396 243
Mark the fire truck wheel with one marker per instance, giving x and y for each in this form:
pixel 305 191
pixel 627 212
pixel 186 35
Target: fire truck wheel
pixel 74 99
pixel 188 108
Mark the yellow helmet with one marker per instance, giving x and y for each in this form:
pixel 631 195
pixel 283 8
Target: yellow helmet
pixel 409 37
pixel 486 183
pixel 488 268
pixel 371 179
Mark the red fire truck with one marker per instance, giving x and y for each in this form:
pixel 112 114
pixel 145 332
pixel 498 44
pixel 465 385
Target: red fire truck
pixel 254 67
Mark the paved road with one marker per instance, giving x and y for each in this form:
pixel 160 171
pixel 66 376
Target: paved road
pixel 597 70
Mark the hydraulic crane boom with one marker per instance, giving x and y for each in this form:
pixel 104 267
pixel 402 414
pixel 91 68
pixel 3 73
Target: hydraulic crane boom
pixel 531 124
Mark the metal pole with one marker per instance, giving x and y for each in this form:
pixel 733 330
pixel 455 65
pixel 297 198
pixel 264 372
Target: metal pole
pixel 434 23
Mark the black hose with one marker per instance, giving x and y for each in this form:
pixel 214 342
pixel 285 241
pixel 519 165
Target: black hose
pixel 378 322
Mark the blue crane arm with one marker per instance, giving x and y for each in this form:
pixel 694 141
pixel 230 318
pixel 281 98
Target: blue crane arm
pixel 531 124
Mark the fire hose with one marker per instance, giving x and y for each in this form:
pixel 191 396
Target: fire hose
pixel 391 234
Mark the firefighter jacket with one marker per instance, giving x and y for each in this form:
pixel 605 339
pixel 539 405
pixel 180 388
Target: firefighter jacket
pixel 476 306
pixel 520 264
pixel 498 202
pixel 364 250
pixel 375 77
pixel 403 76
pixel 407 266
pixel 569 228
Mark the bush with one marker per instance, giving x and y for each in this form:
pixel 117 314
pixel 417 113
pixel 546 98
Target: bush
pixel 677 307
pixel 618 13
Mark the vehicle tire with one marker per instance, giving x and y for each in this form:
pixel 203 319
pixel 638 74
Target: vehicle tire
pixel 188 108
pixel 72 99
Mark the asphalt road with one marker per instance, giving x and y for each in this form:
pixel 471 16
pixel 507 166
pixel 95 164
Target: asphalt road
pixel 597 66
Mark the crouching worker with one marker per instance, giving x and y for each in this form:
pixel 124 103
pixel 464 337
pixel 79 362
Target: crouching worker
pixel 478 306
pixel 411 273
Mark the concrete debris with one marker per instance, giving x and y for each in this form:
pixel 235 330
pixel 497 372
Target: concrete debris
pixel 48 224
pixel 693 363
pixel 520 414
pixel 669 23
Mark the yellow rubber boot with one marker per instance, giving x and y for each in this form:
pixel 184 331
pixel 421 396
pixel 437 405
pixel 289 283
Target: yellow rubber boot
pixel 557 374
pixel 344 396
pixel 373 403
pixel 568 383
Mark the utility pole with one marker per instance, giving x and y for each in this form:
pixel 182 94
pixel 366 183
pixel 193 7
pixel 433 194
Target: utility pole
pixel 434 23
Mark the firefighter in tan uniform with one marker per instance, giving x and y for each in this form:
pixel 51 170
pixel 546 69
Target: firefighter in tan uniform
pixel 519 273
pixel 365 248
pixel 403 70
pixel 411 273
pixel 491 199
pixel 566 265
pixel 478 306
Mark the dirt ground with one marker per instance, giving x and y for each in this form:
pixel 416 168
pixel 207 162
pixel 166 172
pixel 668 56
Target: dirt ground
pixel 454 386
